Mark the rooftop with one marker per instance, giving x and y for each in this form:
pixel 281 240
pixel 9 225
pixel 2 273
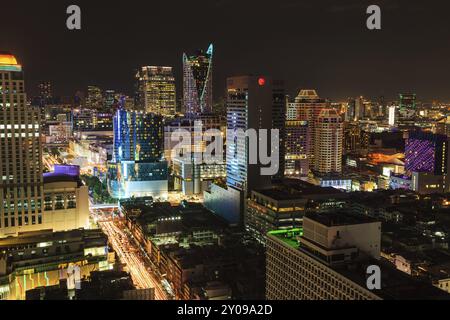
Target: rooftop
pixel 9 63
pixel 334 219
pixel 395 284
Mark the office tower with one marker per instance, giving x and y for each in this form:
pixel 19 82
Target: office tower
pixel 355 139
pixel 86 120
pixel 274 209
pixel 279 122
pixel 328 259
pixel 137 169
pixel 138 136
pixel 110 100
pixel 193 175
pixel 251 101
pixel 20 153
pixel 426 152
pixel 156 91
pixel 407 101
pixel 197 82
pixel 297 148
pixel 37 259
pixel 250 106
pixel 392 116
pixel 94 98
pixel 328 146
pixel 31 201
pixel 308 106
pixel 45 90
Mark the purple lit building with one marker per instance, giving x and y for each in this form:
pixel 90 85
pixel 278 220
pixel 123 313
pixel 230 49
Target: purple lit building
pixel 426 152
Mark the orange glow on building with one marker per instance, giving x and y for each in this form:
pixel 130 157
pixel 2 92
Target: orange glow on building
pixel 377 158
pixel 8 59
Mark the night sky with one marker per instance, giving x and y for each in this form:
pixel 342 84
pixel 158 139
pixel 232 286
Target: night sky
pixel 322 44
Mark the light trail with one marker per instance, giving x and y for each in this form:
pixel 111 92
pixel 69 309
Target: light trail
pixel 128 254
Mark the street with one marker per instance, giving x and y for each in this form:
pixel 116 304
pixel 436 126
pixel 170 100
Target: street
pixel 129 254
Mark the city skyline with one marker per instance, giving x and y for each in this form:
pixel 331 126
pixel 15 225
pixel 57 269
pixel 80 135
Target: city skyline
pixel 271 41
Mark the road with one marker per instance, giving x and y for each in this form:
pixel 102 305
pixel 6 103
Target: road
pixel 129 254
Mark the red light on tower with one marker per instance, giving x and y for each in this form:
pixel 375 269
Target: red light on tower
pixel 261 81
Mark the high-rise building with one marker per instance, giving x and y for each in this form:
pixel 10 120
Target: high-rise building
pixel 31 201
pixel 308 106
pixel 138 169
pixel 45 90
pixel 328 146
pixel 192 175
pixel 279 122
pixel 138 136
pixel 94 98
pixel 297 148
pixel 329 259
pixel 251 101
pixel 356 140
pixel 21 181
pixel 392 116
pixel 110 100
pixel 408 101
pixel 156 90
pixel 427 153
pixel 250 106
pixel 197 82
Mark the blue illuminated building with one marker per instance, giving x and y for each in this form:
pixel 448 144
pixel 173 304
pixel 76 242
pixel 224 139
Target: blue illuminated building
pixel 138 168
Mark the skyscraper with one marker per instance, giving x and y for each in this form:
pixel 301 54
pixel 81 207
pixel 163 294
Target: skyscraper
pixel 328 145
pixel 297 148
pixel 45 90
pixel 427 153
pixel 137 169
pixel 407 101
pixel 156 90
pixel 21 181
pixel 138 136
pixel 251 104
pixel 110 100
pixel 94 98
pixel 329 259
pixel 308 106
pixel 197 82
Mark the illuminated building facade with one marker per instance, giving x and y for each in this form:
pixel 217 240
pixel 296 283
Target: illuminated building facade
pixel 21 182
pixel 92 120
pixel 307 107
pixel 137 169
pixel 45 93
pixel 110 100
pixel 250 103
pixel 197 82
pixel 407 101
pixel 156 90
pixel 328 146
pixel 355 139
pixel 426 152
pixel 41 259
pixel 138 136
pixel 273 209
pixel 250 106
pixel 309 263
pixel 94 99
pixel 297 148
